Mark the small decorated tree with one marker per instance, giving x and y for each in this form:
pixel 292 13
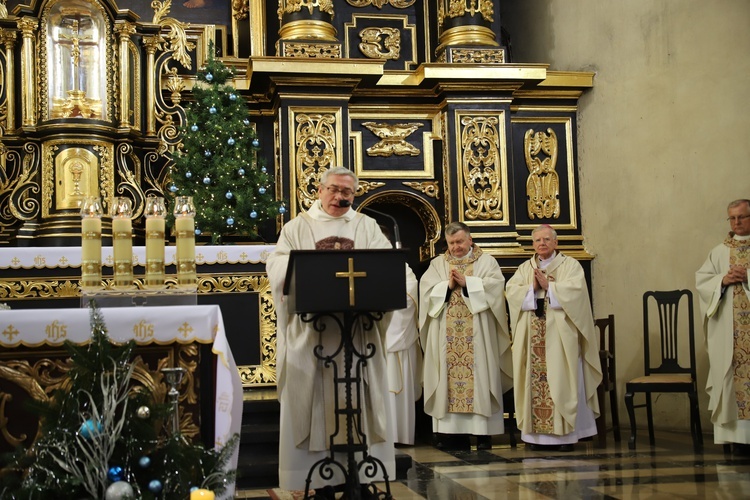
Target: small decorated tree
pixel 218 163
pixel 104 437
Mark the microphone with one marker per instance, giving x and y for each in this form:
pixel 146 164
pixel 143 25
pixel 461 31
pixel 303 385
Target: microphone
pixel 396 236
pixel 345 203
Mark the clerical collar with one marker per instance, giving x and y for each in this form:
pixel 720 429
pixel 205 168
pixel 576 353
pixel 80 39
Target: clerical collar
pixel 316 212
pixel 741 238
pixel 545 262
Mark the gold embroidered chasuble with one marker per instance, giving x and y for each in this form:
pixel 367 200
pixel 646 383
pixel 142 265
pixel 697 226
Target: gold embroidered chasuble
pixel 546 350
pixel 739 254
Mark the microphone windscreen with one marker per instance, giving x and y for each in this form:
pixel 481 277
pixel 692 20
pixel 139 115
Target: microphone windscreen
pixel 345 203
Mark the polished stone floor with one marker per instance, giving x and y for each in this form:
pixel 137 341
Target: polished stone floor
pixel 669 470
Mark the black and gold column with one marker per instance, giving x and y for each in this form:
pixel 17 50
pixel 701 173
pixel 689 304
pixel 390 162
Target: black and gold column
pixel 307 30
pixel 466 34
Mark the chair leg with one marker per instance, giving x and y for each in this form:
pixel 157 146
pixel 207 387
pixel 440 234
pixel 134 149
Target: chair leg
pixel 601 421
pixel 695 423
pixel 650 413
pixel 615 414
pixel 727 449
pixel 631 414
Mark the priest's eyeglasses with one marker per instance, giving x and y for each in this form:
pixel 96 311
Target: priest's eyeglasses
pixel 334 190
pixel 738 218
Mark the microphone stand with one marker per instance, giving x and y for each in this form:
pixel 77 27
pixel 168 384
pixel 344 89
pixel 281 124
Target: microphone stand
pixel 396 234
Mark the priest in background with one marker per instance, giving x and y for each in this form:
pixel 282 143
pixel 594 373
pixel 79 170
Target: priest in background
pixel 464 332
pixel 725 307
pixel 305 386
pixel 556 367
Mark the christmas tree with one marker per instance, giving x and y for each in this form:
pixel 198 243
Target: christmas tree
pixel 218 162
pixel 104 437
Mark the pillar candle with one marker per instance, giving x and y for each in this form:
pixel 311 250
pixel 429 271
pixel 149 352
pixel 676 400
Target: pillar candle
pixel 122 249
pixel 154 252
pixel 201 494
pixel 91 253
pixel 185 252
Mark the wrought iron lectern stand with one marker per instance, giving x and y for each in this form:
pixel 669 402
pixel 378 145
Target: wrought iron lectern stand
pixel 378 280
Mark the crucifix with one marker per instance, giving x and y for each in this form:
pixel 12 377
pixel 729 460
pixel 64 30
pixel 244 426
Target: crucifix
pixel 351 274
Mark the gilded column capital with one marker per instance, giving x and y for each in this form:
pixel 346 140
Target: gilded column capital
pixel 124 28
pixel 240 9
pixel 8 38
pixel 153 43
pixel 27 25
pixel 466 34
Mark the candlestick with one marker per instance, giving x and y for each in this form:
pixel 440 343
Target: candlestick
pixel 202 495
pixel 121 210
pixel 155 212
pixel 184 224
pixel 91 243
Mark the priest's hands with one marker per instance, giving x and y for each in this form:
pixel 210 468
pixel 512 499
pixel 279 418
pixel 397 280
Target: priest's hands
pixel 540 280
pixel 736 274
pixel 456 278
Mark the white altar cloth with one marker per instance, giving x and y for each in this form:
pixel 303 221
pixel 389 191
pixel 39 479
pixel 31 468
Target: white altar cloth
pixel 63 257
pixel 145 325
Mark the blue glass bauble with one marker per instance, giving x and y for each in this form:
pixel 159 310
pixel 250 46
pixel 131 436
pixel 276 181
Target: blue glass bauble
pixel 188 174
pixel 263 169
pixel 241 171
pixel 232 97
pixel 115 473
pixel 212 110
pixel 282 209
pixel 197 232
pixel 262 190
pixel 256 143
pixel 209 77
pixel 194 128
pixel 253 214
pixel 154 486
pixel 206 181
pixel 230 141
pixel 89 429
pixel 144 462
pixel 230 221
pixel 120 490
pixel 246 122
pixel 207 153
pixel 229 195
pixel 173 188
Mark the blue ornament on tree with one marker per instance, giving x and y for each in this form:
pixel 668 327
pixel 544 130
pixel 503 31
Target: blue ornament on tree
pixel 256 143
pixel 230 141
pixel 232 97
pixel 155 486
pixel 144 462
pixel 241 171
pixel 209 77
pixel 197 232
pixel 89 429
pixel 188 174
pixel 253 214
pixel 262 190
pixel 115 473
pixel 173 188
pixel 246 122
pixel 207 153
pixel 263 169
pixel 229 195
pixel 194 128
pixel 230 221
pixel 206 181
pixel 282 209
pixel 212 110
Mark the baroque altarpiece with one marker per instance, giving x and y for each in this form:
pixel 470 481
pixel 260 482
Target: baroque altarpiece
pixel 422 99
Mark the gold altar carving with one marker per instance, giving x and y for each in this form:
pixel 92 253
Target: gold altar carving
pixel 543 183
pixel 76 174
pixel 429 188
pixel 398 4
pixel 380 43
pixel 392 138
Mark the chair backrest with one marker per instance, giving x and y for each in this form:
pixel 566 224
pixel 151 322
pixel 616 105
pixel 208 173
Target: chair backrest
pixel 670 336
pixel 606 328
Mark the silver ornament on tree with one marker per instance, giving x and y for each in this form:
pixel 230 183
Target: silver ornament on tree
pixel 143 412
pixel 120 490
pixel 174 378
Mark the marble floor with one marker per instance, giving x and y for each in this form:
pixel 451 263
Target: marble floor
pixel 669 470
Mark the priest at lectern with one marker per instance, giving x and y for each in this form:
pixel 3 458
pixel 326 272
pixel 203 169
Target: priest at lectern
pixel 306 387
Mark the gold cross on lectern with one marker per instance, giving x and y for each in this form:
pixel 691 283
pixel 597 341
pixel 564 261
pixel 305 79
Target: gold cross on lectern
pixel 351 275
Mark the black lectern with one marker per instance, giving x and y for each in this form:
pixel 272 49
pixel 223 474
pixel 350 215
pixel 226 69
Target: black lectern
pixel 349 287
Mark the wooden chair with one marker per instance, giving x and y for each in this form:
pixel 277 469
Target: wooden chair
pixel 674 373
pixel 606 327
pixel 509 417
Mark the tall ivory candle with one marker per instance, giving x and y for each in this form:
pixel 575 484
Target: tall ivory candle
pixel 91 252
pixel 155 252
pixel 122 243
pixel 185 252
